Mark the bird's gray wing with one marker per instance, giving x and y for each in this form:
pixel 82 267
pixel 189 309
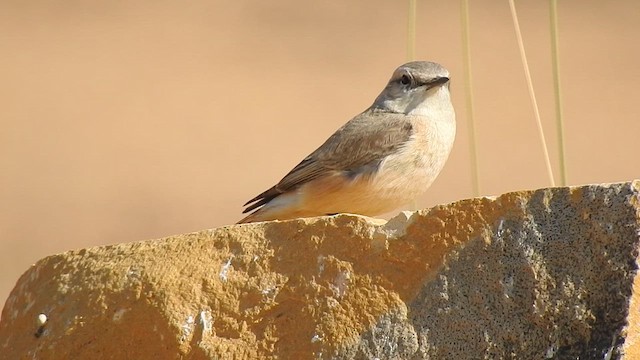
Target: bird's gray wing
pixel 361 143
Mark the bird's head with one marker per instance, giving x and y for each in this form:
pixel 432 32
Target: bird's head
pixel 414 87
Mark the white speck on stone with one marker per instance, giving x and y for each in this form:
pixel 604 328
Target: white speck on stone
pixel 187 328
pixel 342 283
pixel 507 283
pixel 609 353
pixel 207 321
pixel 316 338
pixel 225 269
pixel 320 264
pixel 551 352
pixel 444 294
pixel 609 228
pixel 42 319
pixel 270 292
pixel 117 316
pixel 133 275
pixel 500 231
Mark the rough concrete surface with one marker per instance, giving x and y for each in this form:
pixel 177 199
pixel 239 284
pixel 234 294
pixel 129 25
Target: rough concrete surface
pixel 527 275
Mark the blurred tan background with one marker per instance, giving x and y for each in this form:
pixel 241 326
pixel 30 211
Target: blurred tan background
pixel 123 121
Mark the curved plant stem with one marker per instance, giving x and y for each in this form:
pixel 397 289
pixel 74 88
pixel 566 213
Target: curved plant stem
pixel 532 94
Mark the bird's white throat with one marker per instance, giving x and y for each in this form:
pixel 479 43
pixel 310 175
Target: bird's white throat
pixel 437 102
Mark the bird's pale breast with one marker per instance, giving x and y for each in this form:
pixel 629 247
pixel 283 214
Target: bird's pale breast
pixel 401 177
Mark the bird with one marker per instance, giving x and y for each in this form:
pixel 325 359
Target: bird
pixel 378 161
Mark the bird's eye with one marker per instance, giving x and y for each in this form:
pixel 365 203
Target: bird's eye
pixel 405 80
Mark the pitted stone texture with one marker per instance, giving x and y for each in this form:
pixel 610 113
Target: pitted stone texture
pixel 538 274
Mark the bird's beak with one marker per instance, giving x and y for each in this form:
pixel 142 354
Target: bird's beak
pixel 437 82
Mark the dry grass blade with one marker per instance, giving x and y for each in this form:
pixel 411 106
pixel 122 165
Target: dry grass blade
pixel 553 11
pixel 532 94
pixel 466 53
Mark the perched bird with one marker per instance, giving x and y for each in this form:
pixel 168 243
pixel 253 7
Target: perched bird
pixel 378 161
